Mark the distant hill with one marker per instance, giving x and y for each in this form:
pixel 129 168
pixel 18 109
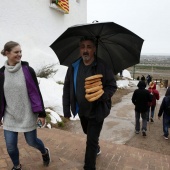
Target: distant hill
pixel 155 56
pixel 162 60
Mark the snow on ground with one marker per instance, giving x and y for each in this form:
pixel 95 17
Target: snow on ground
pixel 52 91
pixel 52 86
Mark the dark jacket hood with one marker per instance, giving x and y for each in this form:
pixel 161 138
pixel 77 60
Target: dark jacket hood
pixel 167 92
pixel 141 85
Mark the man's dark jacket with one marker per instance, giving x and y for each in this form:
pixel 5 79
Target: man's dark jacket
pixel 165 103
pixel 103 104
pixel 32 89
pixel 141 97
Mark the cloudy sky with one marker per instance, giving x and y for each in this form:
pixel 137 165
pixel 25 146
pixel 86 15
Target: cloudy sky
pixel 150 19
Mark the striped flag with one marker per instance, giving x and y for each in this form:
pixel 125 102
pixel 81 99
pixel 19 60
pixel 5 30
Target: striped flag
pixel 63 4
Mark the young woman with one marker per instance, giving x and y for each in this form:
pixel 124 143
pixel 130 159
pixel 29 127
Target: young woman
pixel 21 104
pixel 152 105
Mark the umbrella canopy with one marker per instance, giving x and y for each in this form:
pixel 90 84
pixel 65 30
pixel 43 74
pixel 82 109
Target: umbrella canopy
pixel 117 46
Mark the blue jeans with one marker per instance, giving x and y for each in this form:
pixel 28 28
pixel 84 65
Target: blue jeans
pixel 151 110
pixel 92 129
pixel 166 125
pixel 144 120
pixel 11 139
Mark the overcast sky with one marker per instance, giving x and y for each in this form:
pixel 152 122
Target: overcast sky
pixel 149 19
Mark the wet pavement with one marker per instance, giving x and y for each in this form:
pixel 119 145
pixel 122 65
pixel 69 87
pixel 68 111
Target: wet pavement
pixel 68 148
pixel 119 126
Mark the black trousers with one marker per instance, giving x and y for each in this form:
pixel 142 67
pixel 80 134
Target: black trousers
pixel 92 129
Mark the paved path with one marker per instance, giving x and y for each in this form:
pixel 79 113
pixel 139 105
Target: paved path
pixel 67 153
pixel 119 126
pixel 68 148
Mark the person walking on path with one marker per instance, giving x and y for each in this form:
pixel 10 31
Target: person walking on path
pixel 152 104
pixel 140 99
pixel 165 110
pixel 143 78
pixel 21 104
pixel 148 79
pixel 91 114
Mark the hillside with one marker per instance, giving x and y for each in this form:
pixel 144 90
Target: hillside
pixel 158 66
pixel 159 60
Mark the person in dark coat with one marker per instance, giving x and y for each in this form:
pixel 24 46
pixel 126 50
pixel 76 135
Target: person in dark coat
pixel 91 114
pixel 138 78
pixel 142 78
pixel 148 79
pixel 164 110
pixel 140 99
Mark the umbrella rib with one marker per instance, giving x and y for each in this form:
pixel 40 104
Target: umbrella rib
pixel 95 35
pixel 112 40
pixel 104 47
pixel 107 51
pixel 70 52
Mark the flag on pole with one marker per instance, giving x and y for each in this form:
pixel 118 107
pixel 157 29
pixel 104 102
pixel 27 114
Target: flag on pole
pixel 63 4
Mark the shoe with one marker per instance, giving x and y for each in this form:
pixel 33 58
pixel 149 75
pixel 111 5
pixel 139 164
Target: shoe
pixel 46 157
pixel 137 132
pixel 17 168
pixel 144 132
pixel 165 137
pixel 152 120
pixel 98 150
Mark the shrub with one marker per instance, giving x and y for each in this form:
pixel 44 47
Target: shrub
pixel 48 118
pixel 46 71
pixel 59 82
pixel 60 124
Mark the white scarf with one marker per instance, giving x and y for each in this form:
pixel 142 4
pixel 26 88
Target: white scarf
pixel 12 69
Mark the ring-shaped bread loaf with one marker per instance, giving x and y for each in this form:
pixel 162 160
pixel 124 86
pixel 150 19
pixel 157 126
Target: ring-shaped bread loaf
pixel 98 83
pixel 92 81
pixel 91 95
pixel 94 89
pixel 94 77
pixel 96 97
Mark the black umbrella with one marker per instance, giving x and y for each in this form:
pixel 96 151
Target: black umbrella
pixel 116 45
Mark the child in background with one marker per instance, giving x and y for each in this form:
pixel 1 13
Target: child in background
pixel 152 104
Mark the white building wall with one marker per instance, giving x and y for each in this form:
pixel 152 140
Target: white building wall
pixel 35 26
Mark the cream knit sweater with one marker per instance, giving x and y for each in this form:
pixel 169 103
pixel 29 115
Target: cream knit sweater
pixel 18 115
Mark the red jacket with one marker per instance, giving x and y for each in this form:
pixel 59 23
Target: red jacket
pixel 155 95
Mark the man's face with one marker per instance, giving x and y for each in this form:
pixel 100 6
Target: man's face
pixel 87 50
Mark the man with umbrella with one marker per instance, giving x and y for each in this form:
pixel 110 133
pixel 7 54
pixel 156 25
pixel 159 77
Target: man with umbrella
pixel 91 113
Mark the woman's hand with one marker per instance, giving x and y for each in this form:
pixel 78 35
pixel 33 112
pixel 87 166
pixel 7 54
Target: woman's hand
pixel 42 120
